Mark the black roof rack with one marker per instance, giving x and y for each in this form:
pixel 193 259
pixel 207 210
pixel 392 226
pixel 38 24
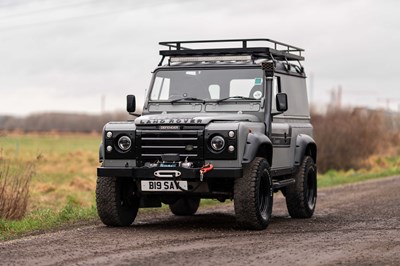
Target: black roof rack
pixel 270 50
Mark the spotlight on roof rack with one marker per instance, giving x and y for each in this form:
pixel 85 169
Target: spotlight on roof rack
pixel 211 58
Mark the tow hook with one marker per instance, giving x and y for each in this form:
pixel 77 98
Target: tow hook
pixel 206 168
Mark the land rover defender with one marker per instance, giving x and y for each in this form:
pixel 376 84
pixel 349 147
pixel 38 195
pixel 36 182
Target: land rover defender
pixel 224 120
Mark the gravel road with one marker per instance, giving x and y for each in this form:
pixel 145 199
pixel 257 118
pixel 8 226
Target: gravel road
pixel 357 224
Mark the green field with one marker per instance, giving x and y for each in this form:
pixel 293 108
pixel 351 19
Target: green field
pixel 66 166
pixel 62 189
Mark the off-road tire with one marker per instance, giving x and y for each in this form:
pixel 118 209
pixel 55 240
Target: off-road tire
pixel 301 197
pixel 185 206
pixel 253 196
pixel 116 204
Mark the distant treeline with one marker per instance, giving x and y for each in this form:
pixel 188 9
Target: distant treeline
pixel 62 122
pixel 346 138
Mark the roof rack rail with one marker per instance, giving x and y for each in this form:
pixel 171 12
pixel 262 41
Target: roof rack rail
pixel 270 50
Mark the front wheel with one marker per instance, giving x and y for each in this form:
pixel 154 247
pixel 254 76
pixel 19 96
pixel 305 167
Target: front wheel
pixel 301 196
pixel 116 202
pixel 253 196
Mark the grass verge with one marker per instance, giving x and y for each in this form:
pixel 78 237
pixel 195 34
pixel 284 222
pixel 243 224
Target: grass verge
pixel 47 219
pixel 378 167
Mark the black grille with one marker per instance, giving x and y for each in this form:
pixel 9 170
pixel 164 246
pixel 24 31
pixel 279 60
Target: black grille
pixel 151 144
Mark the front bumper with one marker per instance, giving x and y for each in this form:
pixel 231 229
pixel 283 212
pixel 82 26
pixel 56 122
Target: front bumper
pixel 142 173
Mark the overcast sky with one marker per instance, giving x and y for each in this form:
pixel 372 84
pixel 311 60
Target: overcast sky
pixel 65 55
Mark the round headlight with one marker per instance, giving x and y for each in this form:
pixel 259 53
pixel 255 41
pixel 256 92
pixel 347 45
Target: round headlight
pixel 217 143
pixel 124 143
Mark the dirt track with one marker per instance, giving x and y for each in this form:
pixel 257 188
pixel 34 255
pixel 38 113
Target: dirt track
pixel 355 225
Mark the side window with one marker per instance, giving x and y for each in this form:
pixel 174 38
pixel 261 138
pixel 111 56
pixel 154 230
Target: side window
pixel 215 91
pixel 160 89
pixel 296 90
pixel 276 88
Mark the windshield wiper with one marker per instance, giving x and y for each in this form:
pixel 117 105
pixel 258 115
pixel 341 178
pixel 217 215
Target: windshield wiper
pixel 235 97
pixel 188 99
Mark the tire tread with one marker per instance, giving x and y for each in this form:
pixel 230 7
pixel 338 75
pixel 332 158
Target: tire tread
pixel 108 203
pixel 295 198
pixel 245 200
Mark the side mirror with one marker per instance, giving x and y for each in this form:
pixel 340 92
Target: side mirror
pixel 130 103
pixel 281 102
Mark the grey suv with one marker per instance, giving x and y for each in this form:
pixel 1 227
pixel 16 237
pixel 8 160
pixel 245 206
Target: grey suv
pixel 230 122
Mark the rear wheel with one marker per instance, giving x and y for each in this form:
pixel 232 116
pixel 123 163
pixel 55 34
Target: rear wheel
pixel 116 203
pixel 301 197
pixel 253 196
pixel 185 206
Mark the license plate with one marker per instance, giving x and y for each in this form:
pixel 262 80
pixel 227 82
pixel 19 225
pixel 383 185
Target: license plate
pixel 162 185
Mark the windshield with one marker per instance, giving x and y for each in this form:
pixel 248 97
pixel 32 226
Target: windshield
pixel 207 84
